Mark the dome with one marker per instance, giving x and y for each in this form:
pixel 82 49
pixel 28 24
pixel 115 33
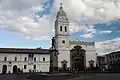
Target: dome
pixel 61 12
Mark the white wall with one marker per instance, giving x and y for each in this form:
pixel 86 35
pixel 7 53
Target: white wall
pixel 64 50
pixel 64 55
pixel 40 64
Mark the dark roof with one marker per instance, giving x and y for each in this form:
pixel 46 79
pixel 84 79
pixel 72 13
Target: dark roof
pixel 24 50
pixel 100 56
pixel 116 52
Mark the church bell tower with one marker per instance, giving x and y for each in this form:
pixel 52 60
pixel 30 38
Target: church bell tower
pixel 62 38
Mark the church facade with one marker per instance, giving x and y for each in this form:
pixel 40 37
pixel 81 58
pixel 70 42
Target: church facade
pixel 64 45
pixel 72 54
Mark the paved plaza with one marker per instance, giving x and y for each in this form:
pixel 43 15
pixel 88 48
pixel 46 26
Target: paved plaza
pixel 98 76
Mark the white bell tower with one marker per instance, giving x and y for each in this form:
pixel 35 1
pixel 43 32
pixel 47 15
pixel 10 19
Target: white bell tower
pixel 62 37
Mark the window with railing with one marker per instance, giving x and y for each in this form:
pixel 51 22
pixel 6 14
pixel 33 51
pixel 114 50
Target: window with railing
pixel 65 28
pixel 43 58
pixel 5 58
pixel 15 58
pixel 25 59
pixel 34 58
pixel 25 66
pixel 34 66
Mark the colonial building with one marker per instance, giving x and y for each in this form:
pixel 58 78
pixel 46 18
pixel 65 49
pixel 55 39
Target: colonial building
pixel 113 60
pixel 66 47
pixel 25 59
pixel 75 54
pixel 101 62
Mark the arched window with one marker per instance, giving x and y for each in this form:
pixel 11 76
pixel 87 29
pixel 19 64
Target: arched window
pixel 34 66
pixel 60 28
pixel 43 58
pixel 15 58
pixel 65 28
pixel 5 58
pixel 34 58
pixel 25 66
pixel 25 59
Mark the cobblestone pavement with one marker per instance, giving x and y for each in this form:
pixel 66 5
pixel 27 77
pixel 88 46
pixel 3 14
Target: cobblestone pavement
pixel 104 76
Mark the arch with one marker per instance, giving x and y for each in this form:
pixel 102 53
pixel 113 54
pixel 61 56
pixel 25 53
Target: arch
pixel 91 64
pixel 5 58
pixel 25 59
pixel 34 58
pixel 4 69
pixel 65 28
pixel 14 68
pixel 43 58
pixel 15 58
pixel 60 28
pixel 77 58
pixel 64 64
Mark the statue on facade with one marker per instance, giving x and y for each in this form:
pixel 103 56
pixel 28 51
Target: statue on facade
pixel 53 43
pixel 91 64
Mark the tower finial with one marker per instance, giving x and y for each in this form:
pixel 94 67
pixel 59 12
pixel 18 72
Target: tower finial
pixel 61 6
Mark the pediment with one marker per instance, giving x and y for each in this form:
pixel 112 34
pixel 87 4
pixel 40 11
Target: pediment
pixel 77 51
pixel 64 61
pixel 77 46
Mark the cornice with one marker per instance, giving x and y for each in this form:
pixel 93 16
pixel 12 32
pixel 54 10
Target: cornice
pixel 81 42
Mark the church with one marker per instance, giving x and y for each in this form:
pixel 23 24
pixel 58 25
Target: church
pixel 72 54
pixel 71 51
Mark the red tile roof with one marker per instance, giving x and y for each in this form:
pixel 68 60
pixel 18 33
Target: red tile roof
pixel 24 50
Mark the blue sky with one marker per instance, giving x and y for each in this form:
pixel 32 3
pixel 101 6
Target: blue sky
pixel 9 39
pixel 31 23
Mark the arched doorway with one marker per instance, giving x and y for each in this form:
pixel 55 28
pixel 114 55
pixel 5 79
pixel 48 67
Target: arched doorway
pixel 77 58
pixel 91 64
pixel 64 65
pixel 4 70
pixel 79 64
pixel 14 69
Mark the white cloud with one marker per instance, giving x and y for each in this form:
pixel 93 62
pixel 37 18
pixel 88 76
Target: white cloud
pixel 26 27
pixel 18 19
pixel 16 16
pixel 89 31
pixel 81 28
pixel 106 32
pixel 108 45
pixel 87 35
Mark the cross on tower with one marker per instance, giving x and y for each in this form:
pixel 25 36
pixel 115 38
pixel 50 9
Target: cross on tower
pixel 61 4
